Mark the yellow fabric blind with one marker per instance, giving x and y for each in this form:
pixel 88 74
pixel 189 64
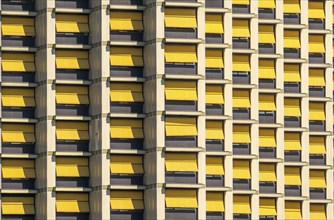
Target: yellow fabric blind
pixel 292 141
pixel 126 56
pixel 72 167
pixel 241 169
pixel 18 97
pixel 18 133
pixel 317 111
pixel 318 179
pixel 291 38
pixel 316 77
pixel 75 95
pixel 267 34
pixel 181 162
pixel 267 137
pixel 180 18
pixel 292 73
pixel 267 69
pixel 67 23
pixel 241 63
pixel 292 107
pixel 180 53
pixel 293 210
pixel 72 59
pixel 18 62
pixel 181 126
pixel 72 130
pixel 241 134
pixel 215 202
pixel 17 26
pixel 128 164
pixel 241 98
pixel 266 4
pixel 214 165
pixel 14 205
pixel 317 145
pixel 126 200
pixel 318 211
pixel 241 204
pixel 214 59
pixel 126 128
pixel 292 6
pixel 214 24
pixel 316 9
pixel 180 90
pixel 18 168
pixel 214 94
pixel 267 172
pixel 240 28
pixel 128 21
pixel 316 43
pixel 240 2
pixel 126 92
pixel 267 102
pixel 72 202
pixel 181 198
pixel 292 176
pixel 268 207
pixel 214 130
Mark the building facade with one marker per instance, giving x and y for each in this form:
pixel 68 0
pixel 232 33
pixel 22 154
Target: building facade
pixel 188 109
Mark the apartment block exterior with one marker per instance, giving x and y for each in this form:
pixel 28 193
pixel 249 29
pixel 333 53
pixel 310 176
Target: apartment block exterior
pixel 174 109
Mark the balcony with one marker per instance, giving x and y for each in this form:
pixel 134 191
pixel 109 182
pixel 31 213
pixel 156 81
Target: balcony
pixel 316 58
pixel 72 110
pixel 214 3
pixel 180 105
pixel 291 18
pixel 72 146
pixel 291 53
pixel 126 71
pixel 67 74
pixel 214 109
pixel 215 145
pixel 126 35
pixel 184 33
pixel 127 107
pixel 214 73
pixel 214 181
pixel 126 179
pixel 18 112
pixel 317 159
pixel 18 5
pixel 292 156
pixel 126 144
pixel 267 187
pixel 241 43
pixel 184 141
pixel 241 113
pixel 215 216
pixel 316 91
pixel 18 41
pixel 317 126
pixel 266 13
pixel 68 215
pixel 11 183
pixel 72 4
pixel 292 87
pixel 214 38
pixel 267 117
pixel 292 191
pixel 242 217
pixel 267 83
pixel 317 193
pixel 181 177
pixel 70 182
pixel 241 77
pixel 181 68
pixel 180 213
pixel 267 152
pixel 72 38
pixel 267 48
pixel 240 9
pixel 316 24
pixel 241 184
pixel 127 214
pixel 241 149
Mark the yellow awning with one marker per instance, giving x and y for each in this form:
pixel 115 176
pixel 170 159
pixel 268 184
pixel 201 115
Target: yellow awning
pixel 240 28
pixel 18 97
pixel 267 172
pixel 291 38
pixel 18 168
pixel 127 21
pixel 292 73
pixel 266 4
pixel 214 94
pixel 66 130
pixel 292 176
pixel 214 59
pixel 267 34
pixel 267 137
pixel 214 165
pixel 240 2
pixel 292 107
pixel 126 92
pixel 126 128
pixel 316 9
pixel 267 69
pixel 317 111
pixel 181 162
pixel 292 6
pixel 242 204
pixel 241 169
pixel 317 145
pixel 214 24
pixel 18 133
pixel 126 56
pixel 316 43
pixel 316 77
pixel 267 102
pixel 75 95
pixel 318 179
pixel 72 59
pixel 126 164
pixel 180 90
pixel 72 202
pixel 241 98
pixel 18 62
pixel 72 167
pixel 181 198
pixel 72 23
pixel 17 26
pixel 126 200
pixel 214 130
pixel 241 134
pixel 292 141
pixel 318 211
pixel 17 205
pixel 181 126
pixel 268 207
pixel 180 18
pixel 293 210
pixel 215 202
pixel 175 53
pixel 241 63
